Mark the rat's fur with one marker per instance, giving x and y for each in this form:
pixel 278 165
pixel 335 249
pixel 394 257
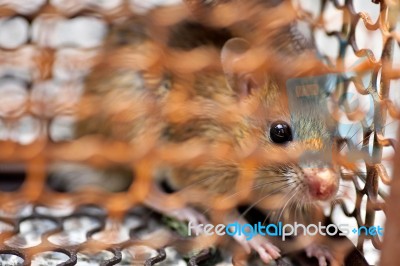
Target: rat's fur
pixel 155 85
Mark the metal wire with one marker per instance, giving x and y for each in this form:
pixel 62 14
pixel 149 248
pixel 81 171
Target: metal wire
pixel 45 71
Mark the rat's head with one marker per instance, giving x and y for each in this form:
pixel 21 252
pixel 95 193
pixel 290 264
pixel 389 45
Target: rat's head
pixel 313 176
pixel 289 118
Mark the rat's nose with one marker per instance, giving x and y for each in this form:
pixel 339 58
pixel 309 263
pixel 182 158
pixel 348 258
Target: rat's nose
pixel 322 182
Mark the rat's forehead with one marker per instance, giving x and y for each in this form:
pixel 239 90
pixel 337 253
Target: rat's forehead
pixel 302 102
pixel 275 102
pixel 308 107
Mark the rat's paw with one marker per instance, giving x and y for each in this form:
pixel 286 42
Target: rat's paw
pixel 323 254
pixel 265 249
pixel 187 214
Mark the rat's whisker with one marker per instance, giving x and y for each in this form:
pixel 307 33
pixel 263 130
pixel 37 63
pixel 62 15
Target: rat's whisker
pixel 266 196
pixel 348 139
pixel 294 190
pixel 257 186
pixel 364 137
pixel 348 131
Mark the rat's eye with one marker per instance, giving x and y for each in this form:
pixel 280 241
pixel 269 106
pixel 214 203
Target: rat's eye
pixel 280 132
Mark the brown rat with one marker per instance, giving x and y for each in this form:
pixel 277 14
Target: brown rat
pixel 269 124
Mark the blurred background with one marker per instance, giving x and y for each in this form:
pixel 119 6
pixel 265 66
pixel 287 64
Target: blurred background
pixel 48 47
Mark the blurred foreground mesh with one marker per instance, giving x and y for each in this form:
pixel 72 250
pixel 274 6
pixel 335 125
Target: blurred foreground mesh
pixel 46 50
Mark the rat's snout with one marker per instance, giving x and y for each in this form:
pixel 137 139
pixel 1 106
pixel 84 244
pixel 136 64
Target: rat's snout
pixel 322 182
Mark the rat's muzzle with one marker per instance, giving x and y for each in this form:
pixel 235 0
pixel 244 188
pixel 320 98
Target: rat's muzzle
pixel 322 183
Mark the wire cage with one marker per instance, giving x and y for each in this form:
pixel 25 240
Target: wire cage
pixel 49 48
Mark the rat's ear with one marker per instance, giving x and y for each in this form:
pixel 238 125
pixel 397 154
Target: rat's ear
pixel 235 58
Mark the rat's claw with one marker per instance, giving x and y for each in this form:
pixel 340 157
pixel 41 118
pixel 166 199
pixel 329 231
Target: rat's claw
pixel 266 250
pixel 243 243
pixel 265 257
pixel 321 253
pixel 271 249
pixel 188 215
